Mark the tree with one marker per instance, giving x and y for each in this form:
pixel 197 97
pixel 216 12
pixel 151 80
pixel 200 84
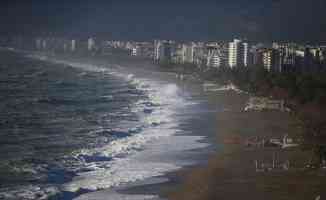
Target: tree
pixel 311 122
pixel 279 93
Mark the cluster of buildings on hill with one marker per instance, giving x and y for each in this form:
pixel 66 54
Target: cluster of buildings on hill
pixel 278 57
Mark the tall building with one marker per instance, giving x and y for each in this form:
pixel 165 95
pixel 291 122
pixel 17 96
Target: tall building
pixel 272 60
pixel 38 44
pixel 179 56
pixel 238 53
pixel 233 53
pixel 245 54
pixel 288 54
pixel 65 46
pixel 189 51
pixel 73 45
pixel 90 44
pixel 134 51
pixel 214 60
pixel 267 59
pixel 165 51
pixel 199 54
pixel 44 44
pixel 157 47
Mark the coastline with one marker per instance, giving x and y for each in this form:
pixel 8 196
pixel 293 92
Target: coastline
pixel 230 172
pixel 152 187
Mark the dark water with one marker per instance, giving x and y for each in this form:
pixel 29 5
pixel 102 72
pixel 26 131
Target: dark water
pixel 69 128
pixel 48 111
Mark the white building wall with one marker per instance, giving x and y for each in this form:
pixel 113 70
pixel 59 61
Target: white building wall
pixel 134 51
pixel 64 46
pixel 238 53
pixel 38 44
pixel 215 61
pixel 189 53
pixel 73 45
pixel 245 54
pixel 233 54
pixel 157 47
pixel 44 44
pixel 90 44
pixel 267 60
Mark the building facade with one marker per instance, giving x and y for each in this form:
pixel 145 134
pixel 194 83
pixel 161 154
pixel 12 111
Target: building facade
pixel 272 60
pixel 238 53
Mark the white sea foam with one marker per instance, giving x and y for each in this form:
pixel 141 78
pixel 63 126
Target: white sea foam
pixel 37 57
pixel 112 195
pixel 140 156
pixel 156 159
pixel 30 192
pixel 110 97
pixel 121 171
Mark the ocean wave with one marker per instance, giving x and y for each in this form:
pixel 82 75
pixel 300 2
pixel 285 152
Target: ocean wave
pixel 111 195
pixel 118 147
pixel 120 171
pixel 126 159
pixel 151 162
pixel 57 101
pixel 35 74
pixel 156 115
pixel 30 192
pixel 109 97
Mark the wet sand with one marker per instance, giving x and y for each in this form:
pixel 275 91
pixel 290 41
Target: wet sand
pixel 230 170
pixel 231 173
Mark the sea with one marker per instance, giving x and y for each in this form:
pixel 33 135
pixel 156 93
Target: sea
pixel 71 129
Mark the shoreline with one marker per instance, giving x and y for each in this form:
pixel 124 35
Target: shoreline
pixel 223 165
pixel 171 177
pixel 231 173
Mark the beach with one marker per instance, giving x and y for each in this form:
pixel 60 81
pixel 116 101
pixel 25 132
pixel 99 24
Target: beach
pixel 231 173
pixel 199 152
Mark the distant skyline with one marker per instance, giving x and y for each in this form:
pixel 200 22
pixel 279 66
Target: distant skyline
pixel 259 20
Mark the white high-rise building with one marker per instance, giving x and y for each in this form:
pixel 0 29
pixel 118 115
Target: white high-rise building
pixel 73 45
pixel 214 60
pixel 245 53
pixel 157 47
pixel 134 51
pixel 234 56
pixel 44 44
pixel 267 59
pixel 38 44
pixel 189 51
pixel 272 60
pixel 183 53
pixel 90 44
pixel 64 46
pixel 178 56
pixel 238 53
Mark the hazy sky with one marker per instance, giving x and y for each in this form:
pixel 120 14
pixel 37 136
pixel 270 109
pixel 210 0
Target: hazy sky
pixel 296 20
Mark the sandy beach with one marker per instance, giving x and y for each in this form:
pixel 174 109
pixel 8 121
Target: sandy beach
pixel 231 173
pixel 226 170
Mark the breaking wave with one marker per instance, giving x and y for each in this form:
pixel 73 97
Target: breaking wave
pixel 138 149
